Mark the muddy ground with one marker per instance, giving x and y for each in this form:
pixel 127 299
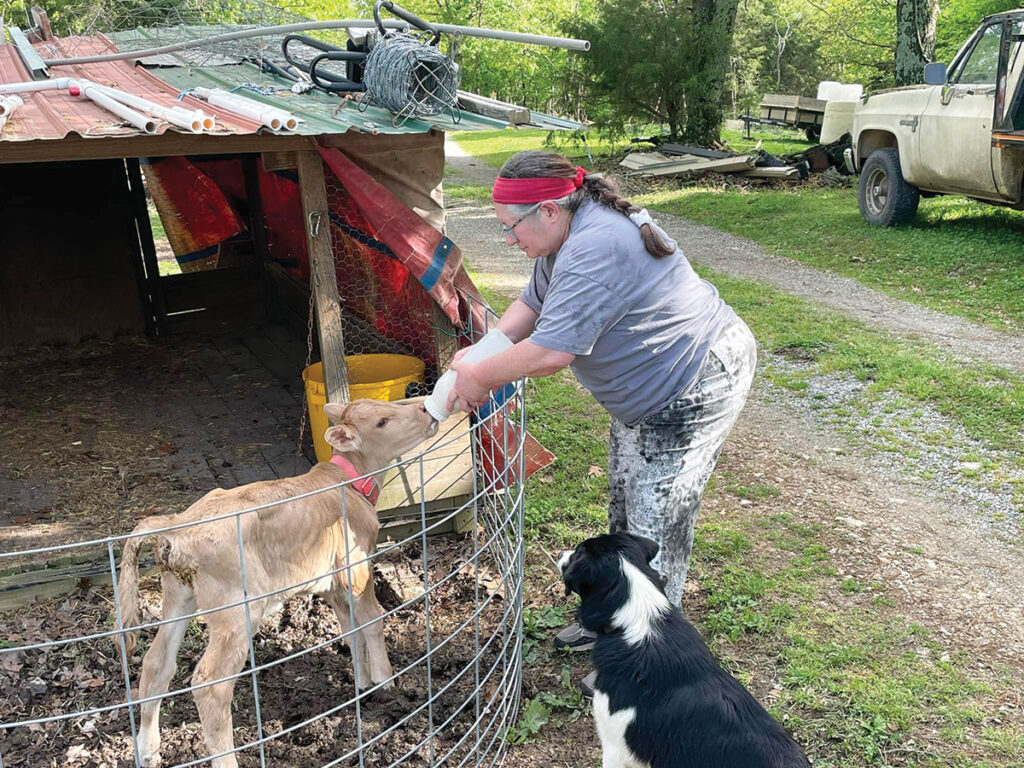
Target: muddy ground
pixel 393 724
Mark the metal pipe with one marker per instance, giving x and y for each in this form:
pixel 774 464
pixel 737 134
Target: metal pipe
pixel 311 26
pixel 93 93
pixel 569 43
pixel 191 121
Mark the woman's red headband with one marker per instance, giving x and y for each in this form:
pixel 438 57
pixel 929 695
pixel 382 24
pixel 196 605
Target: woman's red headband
pixel 526 191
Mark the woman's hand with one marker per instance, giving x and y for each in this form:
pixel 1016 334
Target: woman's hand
pixel 470 390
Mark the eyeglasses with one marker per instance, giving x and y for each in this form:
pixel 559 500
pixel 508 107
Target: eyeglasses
pixel 508 231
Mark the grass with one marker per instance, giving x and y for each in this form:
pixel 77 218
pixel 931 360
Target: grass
pixel 856 681
pixel 495 147
pixel 958 256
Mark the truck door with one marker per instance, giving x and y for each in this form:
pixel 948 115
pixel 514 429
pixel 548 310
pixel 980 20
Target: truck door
pixel 956 126
pixel 1008 134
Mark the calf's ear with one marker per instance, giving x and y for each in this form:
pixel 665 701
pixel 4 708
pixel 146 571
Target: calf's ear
pixel 334 411
pixel 342 437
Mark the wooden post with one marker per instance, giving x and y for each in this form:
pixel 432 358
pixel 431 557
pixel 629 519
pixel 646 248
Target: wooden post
pixel 322 278
pixel 42 22
pixel 153 295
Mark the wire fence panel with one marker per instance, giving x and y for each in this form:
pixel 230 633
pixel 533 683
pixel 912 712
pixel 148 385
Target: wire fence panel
pixel 310 672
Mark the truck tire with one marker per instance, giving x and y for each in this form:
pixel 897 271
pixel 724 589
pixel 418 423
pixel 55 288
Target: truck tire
pixel 886 198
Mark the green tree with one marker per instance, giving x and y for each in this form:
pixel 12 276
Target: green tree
pixel 958 20
pixel 658 61
pixel 776 49
pixel 712 30
pixel 915 39
pixel 639 63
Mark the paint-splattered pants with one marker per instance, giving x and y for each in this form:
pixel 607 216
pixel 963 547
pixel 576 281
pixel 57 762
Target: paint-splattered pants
pixel 657 470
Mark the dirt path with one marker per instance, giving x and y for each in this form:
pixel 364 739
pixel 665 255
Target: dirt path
pixel 743 258
pixel 957 573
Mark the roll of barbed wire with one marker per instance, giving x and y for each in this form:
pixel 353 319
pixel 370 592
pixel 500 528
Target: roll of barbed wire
pixel 410 78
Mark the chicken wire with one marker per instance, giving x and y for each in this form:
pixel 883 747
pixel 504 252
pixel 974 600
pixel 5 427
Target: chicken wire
pixel 386 310
pixel 456 653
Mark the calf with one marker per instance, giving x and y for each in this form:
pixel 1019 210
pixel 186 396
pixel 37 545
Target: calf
pixel 294 541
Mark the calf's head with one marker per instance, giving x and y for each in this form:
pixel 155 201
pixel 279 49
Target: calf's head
pixel 377 432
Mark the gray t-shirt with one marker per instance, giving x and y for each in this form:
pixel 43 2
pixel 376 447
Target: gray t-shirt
pixel 640 327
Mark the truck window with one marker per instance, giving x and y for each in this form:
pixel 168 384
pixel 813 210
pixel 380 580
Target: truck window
pixel 982 63
pixel 1014 68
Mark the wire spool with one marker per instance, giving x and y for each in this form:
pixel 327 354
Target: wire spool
pixel 410 78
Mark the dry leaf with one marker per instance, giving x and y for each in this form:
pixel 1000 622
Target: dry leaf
pixel 595 471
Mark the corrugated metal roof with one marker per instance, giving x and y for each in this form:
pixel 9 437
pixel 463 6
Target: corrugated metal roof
pixel 48 115
pixel 54 115
pixel 320 112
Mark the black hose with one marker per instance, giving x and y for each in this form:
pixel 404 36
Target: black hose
pixel 405 15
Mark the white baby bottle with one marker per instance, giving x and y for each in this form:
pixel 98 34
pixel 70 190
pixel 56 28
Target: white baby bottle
pixel 491 344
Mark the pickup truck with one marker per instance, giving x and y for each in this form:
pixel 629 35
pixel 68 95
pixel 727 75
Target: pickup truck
pixel 961 133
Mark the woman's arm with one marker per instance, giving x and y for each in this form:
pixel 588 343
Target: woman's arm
pixel 476 380
pixel 517 323
pixel 518 320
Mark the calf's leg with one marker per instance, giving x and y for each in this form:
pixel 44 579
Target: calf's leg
pixel 225 655
pixel 159 663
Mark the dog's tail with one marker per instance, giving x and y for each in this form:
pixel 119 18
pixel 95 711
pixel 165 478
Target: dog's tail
pixel 128 583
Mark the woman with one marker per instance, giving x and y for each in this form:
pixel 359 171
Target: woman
pixel 613 297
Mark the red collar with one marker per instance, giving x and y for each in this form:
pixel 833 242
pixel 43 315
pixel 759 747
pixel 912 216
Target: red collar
pixel 367 486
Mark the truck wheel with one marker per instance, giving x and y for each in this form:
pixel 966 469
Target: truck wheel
pixel 886 198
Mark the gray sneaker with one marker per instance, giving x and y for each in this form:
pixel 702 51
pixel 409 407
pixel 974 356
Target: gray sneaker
pixel 587 684
pixel 575 638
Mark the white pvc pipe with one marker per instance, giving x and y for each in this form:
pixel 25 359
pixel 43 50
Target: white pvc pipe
pixel 208 122
pixel 271 117
pixel 8 104
pixel 95 94
pixel 176 116
pixel 60 84
pixel 288 120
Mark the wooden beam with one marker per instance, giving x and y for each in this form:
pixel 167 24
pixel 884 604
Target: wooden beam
pixel 153 300
pixel 42 22
pixel 499 110
pixel 323 278
pixel 167 144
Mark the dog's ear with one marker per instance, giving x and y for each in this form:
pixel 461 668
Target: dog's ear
pixel 650 548
pixel 575 577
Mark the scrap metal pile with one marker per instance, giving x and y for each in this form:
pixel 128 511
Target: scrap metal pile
pixel 676 160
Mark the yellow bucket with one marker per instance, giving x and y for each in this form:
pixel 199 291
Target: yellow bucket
pixel 378 377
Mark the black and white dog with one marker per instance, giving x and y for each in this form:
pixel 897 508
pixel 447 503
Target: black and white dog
pixel 661 700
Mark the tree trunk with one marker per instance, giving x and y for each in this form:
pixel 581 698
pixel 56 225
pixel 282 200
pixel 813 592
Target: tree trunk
pixel 713 22
pixel 915 38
